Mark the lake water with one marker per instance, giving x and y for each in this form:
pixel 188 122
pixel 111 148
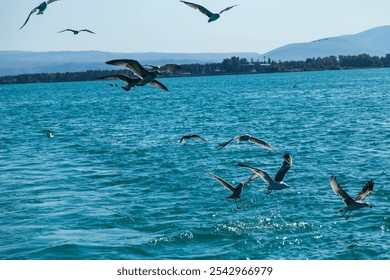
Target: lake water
pixel 115 183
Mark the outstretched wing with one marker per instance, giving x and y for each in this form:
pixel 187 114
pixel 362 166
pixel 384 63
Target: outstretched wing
pixel 87 30
pixel 71 30
pixel 33 11
pixel 260 143
pixel 227 9
pixel 339 191
pixel 169 67
pixel 156 83
pixel 50 1
pixel 121 77
pixel 366 191
pixel 133 65
pixel 196 136
pixel 220 180
pixel 258 171
pixel 224 144
pixel 287 163
pixel 200 8
pixel 250 179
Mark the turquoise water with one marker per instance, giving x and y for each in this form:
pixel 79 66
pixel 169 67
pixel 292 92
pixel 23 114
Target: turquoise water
pixel 115 183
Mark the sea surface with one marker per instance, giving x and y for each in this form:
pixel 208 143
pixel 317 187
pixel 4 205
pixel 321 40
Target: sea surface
pixel 115 183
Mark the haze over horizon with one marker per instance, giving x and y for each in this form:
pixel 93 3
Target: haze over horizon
pixel 171 26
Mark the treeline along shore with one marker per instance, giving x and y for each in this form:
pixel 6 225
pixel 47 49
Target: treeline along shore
pixel 229 66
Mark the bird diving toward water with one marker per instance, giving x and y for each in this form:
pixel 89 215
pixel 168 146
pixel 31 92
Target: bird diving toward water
pixel 146 76
pixel 203 10
pixel 246 137
pixel 277 182
pixel 352 204
pixel 76 32
pixel 131 82
pixel 41 8
pixel 236 191
pixel 195 136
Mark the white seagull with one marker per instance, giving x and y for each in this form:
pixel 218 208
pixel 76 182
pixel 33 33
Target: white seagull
pixel 236 191
pixel 276 183
pixel 49 134
pixel 147 77
pixel 76 32
pixel 352 204
pixel 246 137
pixel 203 10
pixel 41 8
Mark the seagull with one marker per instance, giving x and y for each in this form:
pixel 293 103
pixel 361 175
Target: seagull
pixel 49 134
pixel 276 183
pixel 145 75
pixel 352 204
pixel 41 8
pixel 195 136
pixel 75 32
pixel 236 191
pixel 203 10
pixel 246 137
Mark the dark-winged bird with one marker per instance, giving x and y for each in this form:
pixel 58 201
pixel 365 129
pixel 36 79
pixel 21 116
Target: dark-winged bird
pixel 277 182
pixel 203 10
pixel 39 9
pixel 246 137
pixel 236 191
pixel 146 76
pixel 76 32
pixel 195 136
pixel 131 82
pixel 352 204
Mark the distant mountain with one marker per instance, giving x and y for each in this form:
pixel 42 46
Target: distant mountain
pixel 22 62
pixel 374 42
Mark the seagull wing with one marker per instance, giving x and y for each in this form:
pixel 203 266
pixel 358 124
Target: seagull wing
pixel 200 8
pixel 366 191
pixel 156 83
pixel 33 11
pixel 133 65
pixel 196 136
pixel 224 144
pixel 87 30
pixel 50 1
pixel 250 179
pixel 71 30
pixel 121 77
pixel 169 67
pixel 227 9
pixel 220 180
pixel 287 163
pixel 339 191
pixel 260 143
pixel 258 171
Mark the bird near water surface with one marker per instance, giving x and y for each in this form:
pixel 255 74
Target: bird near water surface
pixel 195 136
pixel 277 182
pixel 131 82
pixel 203 10
pixel 350 203
pixel 236 191
pixel 246 137
pixel 39 9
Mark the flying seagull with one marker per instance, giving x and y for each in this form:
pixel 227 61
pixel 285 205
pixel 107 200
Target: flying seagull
pixel 75 32
pixel 246 137
pixel 146 76
pixel 203 10
pixel 276 183
pixel 352 204
pixel 41 8
pixel 236 191
pixel 195 136
pixel 131 82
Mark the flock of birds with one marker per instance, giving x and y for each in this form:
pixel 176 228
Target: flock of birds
pixel 143 76
pixel 277 183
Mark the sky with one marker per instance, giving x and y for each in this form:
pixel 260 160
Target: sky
pixel 170 26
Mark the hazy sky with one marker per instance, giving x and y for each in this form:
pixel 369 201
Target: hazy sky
pixel 170 26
